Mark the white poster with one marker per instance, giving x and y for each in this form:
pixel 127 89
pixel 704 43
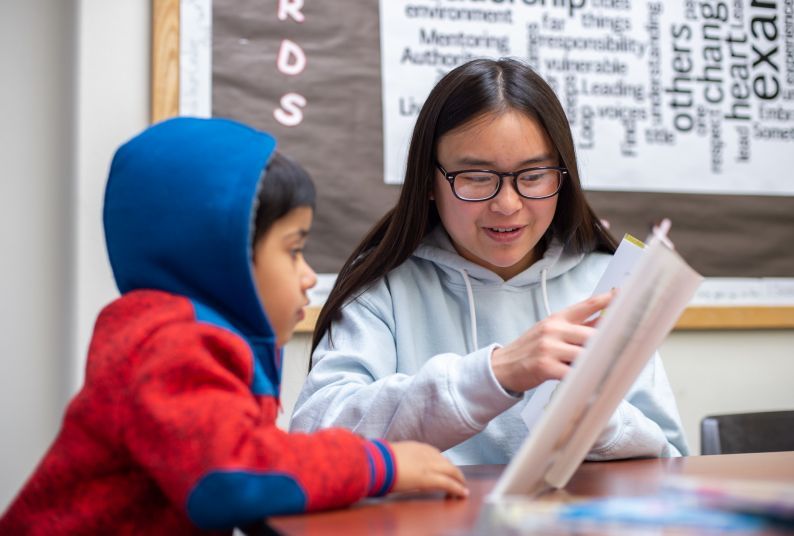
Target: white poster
pixel 679 96
pixel 195 58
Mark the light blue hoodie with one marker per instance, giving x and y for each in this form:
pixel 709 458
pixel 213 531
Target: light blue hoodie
pixel 411 359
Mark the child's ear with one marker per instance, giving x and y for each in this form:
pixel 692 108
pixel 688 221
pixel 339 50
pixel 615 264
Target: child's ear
pixel 431 196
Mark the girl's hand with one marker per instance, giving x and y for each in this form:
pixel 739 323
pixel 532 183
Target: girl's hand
pixel 421 467
pixel 546 351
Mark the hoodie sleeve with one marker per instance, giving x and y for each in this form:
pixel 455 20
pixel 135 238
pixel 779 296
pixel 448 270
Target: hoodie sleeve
pixel 453 397
pixel 213 447
pixel 646 423
pixel 353 384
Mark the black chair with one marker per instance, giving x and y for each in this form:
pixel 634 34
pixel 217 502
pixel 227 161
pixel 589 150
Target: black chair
pixel 769 431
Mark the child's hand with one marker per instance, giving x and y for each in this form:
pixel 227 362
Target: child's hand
pixel 421 467
pixel 546 351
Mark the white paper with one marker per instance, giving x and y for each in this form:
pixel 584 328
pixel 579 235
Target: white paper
pixel 195 58
pixel 620 267
pixel 538 402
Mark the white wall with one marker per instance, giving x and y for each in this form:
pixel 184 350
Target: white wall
pixel 75 85
pixel 113 105
pixel 37 110
pixel 715 372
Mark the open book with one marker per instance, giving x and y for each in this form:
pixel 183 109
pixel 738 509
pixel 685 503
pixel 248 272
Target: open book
pixel 650 301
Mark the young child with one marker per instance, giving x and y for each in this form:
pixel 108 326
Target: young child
pixel 473 290
pixel 174 429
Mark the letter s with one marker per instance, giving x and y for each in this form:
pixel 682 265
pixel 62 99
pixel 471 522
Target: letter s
pixel 290 114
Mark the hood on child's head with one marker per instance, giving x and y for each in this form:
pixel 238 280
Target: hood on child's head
pixel 179 214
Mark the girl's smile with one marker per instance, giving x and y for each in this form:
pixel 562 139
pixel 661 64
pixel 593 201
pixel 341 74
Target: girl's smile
pixel 505 235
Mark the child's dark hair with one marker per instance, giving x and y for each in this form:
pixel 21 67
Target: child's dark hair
pixel 285 186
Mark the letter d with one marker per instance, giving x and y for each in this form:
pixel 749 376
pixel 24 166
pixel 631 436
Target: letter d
pixel 291 58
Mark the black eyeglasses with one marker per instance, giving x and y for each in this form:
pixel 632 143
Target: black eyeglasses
pixel 483 184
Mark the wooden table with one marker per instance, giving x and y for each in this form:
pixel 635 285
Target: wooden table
pixel 413 515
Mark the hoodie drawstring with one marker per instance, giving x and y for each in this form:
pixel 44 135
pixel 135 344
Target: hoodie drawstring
pixel 543 290
pixel 472 314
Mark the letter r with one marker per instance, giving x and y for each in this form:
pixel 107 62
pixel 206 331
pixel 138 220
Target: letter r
pixel 290 8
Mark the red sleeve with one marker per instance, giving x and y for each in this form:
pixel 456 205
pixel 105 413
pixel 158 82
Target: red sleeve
pixel 214 447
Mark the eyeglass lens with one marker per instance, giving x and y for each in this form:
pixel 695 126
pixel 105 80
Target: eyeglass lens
pixel 482 184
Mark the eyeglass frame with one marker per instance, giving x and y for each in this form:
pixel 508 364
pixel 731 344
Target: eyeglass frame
pixel 450 177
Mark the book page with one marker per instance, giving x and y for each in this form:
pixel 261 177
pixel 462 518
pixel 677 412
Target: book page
pixel 624 260
pixel 635 324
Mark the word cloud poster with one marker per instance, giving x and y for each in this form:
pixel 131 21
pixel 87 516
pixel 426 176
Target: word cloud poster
pixel 675 96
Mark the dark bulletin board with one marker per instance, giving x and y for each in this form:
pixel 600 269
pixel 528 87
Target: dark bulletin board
pixel 339 141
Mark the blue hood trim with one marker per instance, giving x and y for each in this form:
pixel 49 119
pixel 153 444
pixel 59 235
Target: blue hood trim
pixel 179 218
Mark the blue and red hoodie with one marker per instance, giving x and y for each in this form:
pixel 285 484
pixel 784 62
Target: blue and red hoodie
pixel 175 429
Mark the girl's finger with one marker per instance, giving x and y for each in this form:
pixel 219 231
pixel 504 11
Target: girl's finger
pixel 593 322
pixel 556 371
pixel 580 312
pixel 562 351
pixel 577 334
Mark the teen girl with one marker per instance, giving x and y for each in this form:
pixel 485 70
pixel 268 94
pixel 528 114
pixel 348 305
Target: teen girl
pixel 475 288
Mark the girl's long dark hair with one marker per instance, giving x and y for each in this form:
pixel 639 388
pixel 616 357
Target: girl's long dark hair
pixel 475 88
